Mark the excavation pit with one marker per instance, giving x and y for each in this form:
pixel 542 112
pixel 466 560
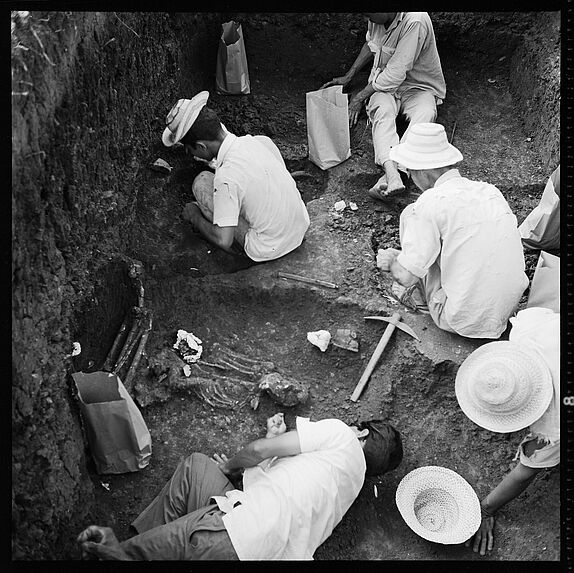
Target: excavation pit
pixel 93 197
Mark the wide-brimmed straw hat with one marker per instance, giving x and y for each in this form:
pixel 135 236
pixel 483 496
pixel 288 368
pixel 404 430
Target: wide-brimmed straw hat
pixel 425 147
pixel 503 386
pixel 182 116
pixel 439 505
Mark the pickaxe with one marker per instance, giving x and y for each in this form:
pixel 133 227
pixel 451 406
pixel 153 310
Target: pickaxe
pixel 394 322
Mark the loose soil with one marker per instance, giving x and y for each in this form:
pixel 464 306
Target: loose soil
pixel 193 286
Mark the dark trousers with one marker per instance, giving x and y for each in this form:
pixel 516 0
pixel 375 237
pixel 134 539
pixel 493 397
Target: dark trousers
pixel 182 523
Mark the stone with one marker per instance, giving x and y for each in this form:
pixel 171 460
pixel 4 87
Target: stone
pixel 284 390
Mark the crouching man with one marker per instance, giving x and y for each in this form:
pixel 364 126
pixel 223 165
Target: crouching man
pixel 297 485
pixel 460 245
pixel 251 205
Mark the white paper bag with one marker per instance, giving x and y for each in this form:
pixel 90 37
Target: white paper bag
pixel 231 74
pixel 328 126
pixel 545 287
pixel 541 228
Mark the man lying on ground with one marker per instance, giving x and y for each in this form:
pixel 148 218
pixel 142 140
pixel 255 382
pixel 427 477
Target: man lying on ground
pixel 251 205
pixel 406 77
pixel 288 506
pixel 509 393
pixel 460 245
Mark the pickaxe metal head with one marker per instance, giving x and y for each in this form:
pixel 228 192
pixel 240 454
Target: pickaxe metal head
pixel 404 327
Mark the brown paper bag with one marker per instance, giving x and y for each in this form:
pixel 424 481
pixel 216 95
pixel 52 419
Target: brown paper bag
pixel 117 433
pixel 328 127
pixel 231 73
pixel 545 287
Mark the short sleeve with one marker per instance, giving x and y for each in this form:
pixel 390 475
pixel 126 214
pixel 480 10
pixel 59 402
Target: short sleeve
pixel 322 435
pixel 226 205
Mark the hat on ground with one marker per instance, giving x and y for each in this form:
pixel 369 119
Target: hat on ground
pixel 425 147
pixel 181 117
pixel 503 386
pixel 439 505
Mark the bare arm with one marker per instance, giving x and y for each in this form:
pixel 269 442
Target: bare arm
pixel 255 452
pixel 219 236
pixel 512 485
pixel 387 262
pixel 365 55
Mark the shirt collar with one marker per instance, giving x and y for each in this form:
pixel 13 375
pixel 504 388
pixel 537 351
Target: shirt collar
pixel 450 174
pixel 224 148
pixel 396 20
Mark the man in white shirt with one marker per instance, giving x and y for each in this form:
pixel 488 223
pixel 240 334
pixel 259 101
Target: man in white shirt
pixel 406 77
pixel 460 243
pixel 288 506
pixel 251 204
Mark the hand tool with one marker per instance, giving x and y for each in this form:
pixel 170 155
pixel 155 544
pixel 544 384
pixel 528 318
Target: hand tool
pixel 394 322
pixel 318 282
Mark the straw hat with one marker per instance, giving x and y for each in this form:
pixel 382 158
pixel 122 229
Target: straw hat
pixel 182 116
pixel 425 147
pixel 503 386
pixel 439 505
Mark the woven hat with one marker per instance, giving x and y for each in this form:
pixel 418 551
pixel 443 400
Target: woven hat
pixel 439 505
pixel 425 147
pixel 181 117
pixel 503 386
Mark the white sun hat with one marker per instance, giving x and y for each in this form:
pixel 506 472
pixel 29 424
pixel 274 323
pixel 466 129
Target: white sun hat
pixel 181 117
pixel 425 147
pixel 503 386
pixel 439 505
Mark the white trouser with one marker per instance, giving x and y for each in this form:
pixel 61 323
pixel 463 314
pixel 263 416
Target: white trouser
pixel 419 106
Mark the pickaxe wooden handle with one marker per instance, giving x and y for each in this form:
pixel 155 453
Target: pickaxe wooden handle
pixel 375 357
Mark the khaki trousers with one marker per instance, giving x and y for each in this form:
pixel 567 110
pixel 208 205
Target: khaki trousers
pixel 182 523
pixel 419 106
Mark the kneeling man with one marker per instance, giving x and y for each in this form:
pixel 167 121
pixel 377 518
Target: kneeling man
pixel 251 205
pixel 460 243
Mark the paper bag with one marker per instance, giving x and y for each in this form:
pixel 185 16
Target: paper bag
pixel 545 287
pixel 541 228
pixel 328 126
pixel 117 433
pixel 231 74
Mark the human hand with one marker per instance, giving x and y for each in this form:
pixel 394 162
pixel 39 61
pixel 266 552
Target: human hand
pixel 355 106
pixel 276 425
pixel 339 81
pixel 190 212
pixel 484 537
pixel 385 258
pixel 100 543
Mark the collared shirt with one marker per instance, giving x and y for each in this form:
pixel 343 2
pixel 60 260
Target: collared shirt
pixel 289 508
pixel 252 182
pixel 406 55
pixel 466 230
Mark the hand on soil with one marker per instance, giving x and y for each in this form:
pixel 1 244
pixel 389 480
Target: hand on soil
pixel 385 257
pixel 100 543
pixel 484 538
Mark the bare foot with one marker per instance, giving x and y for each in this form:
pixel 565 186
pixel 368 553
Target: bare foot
pixel 386 187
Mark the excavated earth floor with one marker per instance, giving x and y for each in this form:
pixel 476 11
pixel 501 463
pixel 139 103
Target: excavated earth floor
pixel 192 286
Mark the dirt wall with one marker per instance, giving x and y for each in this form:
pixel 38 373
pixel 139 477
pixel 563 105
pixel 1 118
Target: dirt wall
pixel 89 92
